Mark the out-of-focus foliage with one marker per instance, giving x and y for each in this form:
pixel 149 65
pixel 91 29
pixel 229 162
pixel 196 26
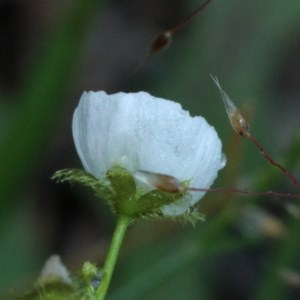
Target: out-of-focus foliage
pixel 53 50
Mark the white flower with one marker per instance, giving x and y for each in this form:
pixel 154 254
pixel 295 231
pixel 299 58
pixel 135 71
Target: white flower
pixel 140 132
pixel 54 270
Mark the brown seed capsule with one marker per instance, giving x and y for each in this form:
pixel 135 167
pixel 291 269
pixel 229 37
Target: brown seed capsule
pixel 162 182
pixel 238 122
pixel 164 39
pixel 161 42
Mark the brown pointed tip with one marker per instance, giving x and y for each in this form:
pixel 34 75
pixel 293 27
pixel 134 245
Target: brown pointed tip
pixel 161 42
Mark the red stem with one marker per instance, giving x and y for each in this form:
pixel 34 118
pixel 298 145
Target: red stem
pixel 246 192
pixel 273 162
pixel 183 23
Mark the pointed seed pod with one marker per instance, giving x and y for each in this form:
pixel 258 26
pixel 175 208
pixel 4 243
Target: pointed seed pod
pixel 237 120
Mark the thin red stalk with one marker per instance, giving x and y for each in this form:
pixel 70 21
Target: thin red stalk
pixel 240 126
pixel 246 192
pixel 183 23
pixel 273 162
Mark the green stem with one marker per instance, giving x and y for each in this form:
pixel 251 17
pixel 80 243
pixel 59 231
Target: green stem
pixel 112 255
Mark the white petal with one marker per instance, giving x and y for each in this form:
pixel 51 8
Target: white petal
pixel 54 270
pixel 141 132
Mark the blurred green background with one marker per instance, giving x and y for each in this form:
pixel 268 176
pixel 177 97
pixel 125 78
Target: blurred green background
pixel 51 51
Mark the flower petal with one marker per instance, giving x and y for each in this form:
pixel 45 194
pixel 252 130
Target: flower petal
pixel 140 132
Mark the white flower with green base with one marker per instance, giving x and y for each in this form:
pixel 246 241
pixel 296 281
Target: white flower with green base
pixel 141 153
